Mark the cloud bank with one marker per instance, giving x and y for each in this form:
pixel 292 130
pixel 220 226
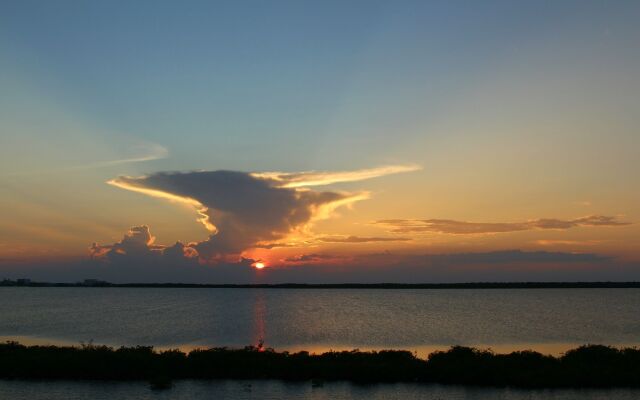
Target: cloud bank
pixel 448 226
pixel 496 266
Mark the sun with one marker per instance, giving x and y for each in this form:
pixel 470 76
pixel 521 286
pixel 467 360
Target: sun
pixel 259 265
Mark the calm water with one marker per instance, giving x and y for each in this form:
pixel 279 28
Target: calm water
pixel 550 320
pixel 271 390
pixel 545 319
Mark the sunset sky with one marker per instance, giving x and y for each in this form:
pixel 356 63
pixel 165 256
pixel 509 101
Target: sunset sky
pixel 396 141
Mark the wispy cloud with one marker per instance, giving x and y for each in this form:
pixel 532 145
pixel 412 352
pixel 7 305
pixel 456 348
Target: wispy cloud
pixel 310 258
pixel 138 153
pixel 311 241
pixel 558 242
pixel 319 178
pixel 360 239
pixel 448 226
pixel 141 153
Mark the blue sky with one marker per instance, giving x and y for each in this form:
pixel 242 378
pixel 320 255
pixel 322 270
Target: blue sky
pixel 268 80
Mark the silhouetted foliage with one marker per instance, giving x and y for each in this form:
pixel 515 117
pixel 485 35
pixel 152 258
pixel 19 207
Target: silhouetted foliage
pixel 586 366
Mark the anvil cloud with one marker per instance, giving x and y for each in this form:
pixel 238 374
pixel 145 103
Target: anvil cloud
pixel 246 210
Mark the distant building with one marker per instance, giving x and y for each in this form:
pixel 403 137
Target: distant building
pixel 23 282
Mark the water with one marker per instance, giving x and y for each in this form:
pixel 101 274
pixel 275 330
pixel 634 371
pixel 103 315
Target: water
pixel 271 390
pixel 549 320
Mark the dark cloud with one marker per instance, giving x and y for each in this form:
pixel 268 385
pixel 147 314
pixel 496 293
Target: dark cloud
pixel 495 266
pixel 502 257
pixel 138 245
pixel 359 239
pixel 310 258
pixel 511 256
pixel 164 265
pixel 242 211
pixel 449 226
pixel 137 258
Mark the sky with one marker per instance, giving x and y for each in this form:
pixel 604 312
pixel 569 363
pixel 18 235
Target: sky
pixel 347 141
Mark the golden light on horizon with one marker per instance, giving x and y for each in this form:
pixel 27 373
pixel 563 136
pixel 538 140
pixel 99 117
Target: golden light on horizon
pixel 259 265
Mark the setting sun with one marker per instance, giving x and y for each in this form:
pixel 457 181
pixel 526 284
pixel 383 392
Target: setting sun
pixel 259 265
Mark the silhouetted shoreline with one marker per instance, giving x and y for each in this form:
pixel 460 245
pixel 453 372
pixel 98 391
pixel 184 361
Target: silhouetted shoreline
pixel 464 285
pixel 586 366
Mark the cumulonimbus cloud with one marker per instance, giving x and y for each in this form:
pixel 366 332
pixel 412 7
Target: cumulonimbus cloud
pixel 246 210
pixel 448 226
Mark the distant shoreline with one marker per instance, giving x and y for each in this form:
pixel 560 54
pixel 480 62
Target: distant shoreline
pixel 467 285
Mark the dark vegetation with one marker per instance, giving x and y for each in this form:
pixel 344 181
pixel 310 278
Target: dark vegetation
pixel 586 366
pixel 467 285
